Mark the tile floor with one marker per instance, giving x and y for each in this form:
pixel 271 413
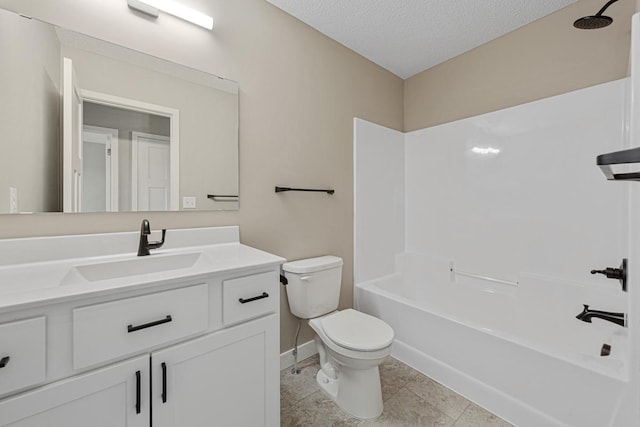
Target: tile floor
pixel 410 399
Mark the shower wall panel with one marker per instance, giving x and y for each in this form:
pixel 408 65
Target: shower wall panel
pixel 518 190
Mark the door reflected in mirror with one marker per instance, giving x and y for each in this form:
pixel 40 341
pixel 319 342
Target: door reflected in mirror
pixel 95 127
pixel 126 160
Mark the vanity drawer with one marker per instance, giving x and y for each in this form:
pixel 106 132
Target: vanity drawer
pixel 251 296
pixel 105 331
pixel 22 354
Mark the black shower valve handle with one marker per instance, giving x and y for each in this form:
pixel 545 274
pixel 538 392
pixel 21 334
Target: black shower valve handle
pixel 615 273
pixel 610 273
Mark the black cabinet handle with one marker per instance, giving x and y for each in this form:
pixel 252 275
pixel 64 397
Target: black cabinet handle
pixel 164 382
pixel 131 328
pixel 4 361
pixel 244 301
pixel 137 392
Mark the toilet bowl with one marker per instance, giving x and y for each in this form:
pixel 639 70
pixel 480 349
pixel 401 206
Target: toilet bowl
pixel 351 344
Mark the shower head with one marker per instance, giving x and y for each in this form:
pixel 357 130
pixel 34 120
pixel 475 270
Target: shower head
pixel 596 21
pixel 592 22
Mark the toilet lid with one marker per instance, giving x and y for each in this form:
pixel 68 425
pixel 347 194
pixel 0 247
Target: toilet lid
pixel 357 331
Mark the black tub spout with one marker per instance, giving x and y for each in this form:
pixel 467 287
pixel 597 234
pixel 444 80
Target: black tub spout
pixel 586 315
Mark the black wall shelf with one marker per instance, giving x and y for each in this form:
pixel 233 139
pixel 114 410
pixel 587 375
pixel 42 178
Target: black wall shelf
pixel 604 161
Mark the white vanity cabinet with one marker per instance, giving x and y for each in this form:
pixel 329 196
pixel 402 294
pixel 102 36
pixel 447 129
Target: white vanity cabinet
pixel 22 354
pixel 232 376
pixel 92 335
pixel 109 397
pixel 104 331
pixel 224 379
pixel 183 364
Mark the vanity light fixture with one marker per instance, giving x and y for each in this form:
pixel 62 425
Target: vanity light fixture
pixel 152 8
pixel 485 150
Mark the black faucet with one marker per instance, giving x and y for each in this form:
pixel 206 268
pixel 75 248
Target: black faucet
pixel 587 315
pixel 145 245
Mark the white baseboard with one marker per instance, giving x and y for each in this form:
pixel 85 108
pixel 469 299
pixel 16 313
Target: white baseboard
pixel 305 350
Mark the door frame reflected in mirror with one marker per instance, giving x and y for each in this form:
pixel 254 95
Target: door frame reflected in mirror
pixel 172 114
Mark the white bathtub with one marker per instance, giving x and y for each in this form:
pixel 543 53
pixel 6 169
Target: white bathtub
pixel 515 349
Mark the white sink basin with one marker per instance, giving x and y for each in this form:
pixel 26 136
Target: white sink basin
pixel 131 267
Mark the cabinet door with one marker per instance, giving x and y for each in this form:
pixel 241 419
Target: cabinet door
pixel 110 397
pixel 228 378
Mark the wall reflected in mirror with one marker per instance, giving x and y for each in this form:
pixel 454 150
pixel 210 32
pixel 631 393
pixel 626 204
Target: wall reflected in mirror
pixel 88 126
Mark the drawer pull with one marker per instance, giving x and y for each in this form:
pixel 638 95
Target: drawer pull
pixel 164 382
pixel 137 392
pixel 244 301
pixel 131 328
pixel 4 361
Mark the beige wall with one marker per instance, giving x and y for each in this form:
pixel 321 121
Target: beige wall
pixel 545 58
pixel 299 92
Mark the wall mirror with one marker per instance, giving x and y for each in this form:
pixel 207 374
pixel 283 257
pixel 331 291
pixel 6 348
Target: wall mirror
pixel 89 126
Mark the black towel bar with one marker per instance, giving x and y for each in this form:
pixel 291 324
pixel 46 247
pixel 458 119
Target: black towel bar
pixel 281 189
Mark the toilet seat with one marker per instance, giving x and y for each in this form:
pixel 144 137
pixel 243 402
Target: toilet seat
pixel 357 331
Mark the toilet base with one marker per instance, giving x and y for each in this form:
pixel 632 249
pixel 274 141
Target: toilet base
pixel 357 392
pixel 328 385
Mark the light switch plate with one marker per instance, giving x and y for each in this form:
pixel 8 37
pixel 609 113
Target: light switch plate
pixel 189 202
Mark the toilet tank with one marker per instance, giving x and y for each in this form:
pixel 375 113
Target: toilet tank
pixel 313 287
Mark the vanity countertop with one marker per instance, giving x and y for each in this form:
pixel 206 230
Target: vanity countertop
pixel 38 271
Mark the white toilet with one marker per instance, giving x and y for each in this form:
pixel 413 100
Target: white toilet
pixel 351 344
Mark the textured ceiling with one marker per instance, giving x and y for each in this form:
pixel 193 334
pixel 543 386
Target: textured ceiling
pixel 409 36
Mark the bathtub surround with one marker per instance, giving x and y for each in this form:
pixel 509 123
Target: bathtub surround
pixel 517 190
pixel 474 188
pixel 501 225
pixel 379 199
